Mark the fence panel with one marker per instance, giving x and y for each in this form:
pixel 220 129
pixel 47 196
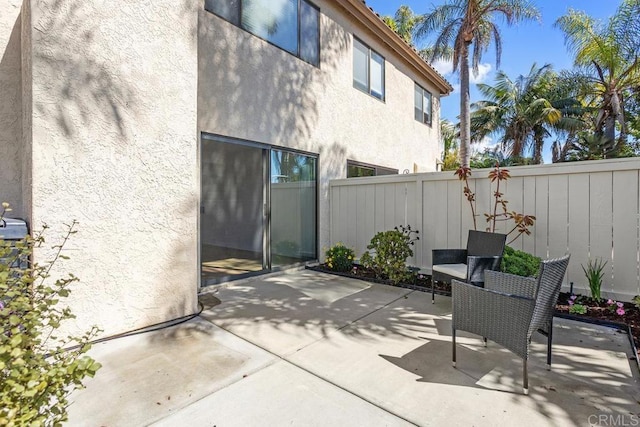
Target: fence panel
pixel 540 232
pixel 365 216
pixel 529 208
pixel 625 229
pixel 590 209
pixel 454 210
pixel 578 226
pixel 601 225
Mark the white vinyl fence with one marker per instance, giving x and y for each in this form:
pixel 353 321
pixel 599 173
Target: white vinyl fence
pixel 588 209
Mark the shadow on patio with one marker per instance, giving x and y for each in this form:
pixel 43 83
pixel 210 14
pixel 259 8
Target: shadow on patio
pixel 305 346
pixel 392 347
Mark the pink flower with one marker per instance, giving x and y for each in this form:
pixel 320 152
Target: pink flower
pixel 570 302
pixel 620 305
pixel 620 311
pixel 573 297
pixel 610 301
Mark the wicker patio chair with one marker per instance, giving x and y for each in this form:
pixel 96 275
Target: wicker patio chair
pixel 509 309
pixel 484 252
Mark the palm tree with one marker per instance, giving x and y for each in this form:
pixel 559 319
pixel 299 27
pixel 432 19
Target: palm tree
pixel 460 24
pixel 518 111
pixel 449 136
pixel 607 55
pixel 587 146
pixel 403 23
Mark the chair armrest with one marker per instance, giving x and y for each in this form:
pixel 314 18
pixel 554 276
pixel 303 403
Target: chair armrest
pixel 510 284
pixel 476 266
pixel 502 318
pixel 449 256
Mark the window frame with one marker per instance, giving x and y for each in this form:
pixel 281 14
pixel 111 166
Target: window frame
pixel 298 35
pixel 376 168
pixel 368 91
pixel 423 92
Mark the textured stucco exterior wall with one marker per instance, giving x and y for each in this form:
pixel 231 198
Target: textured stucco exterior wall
pixel 11 106
pixel 115 148
pixel 252 90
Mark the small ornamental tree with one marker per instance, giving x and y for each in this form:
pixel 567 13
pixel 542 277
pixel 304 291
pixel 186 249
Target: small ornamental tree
pixel 38 368
pixel 521 222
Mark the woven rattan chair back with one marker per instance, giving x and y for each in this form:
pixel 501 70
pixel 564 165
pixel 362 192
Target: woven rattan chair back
pixel 481 243
pixel 550 279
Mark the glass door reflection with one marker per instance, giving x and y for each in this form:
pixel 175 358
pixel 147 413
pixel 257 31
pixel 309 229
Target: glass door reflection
pixel 293 196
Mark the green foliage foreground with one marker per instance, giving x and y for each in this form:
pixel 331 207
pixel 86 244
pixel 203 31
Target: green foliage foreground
pixel 388 253
pixel 519 263
pixel 340 258
pixel 37 374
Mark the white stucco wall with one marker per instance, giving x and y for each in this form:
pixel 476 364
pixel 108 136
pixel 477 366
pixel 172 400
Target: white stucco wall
pixel 114 146
pixel 11 106
pixel 252 90
pixel 102 125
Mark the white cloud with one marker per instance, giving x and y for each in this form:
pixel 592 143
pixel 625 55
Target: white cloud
pixel 446 69
pixel 483 72
pixel 479 147
pixel 443 67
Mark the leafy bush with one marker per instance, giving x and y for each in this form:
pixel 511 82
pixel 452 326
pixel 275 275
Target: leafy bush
pixel 519 263
pixel 636 301
pixel 389 253
pixel 37 374
pixel 339 257
pixel 594 273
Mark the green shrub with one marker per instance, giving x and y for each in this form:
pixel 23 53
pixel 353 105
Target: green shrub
pixel 594 273
pixel 339 257
pixel 519 263
pixel 37 374
pixel 578 309
pixel 389 253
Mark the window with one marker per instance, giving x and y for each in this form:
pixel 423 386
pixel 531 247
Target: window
pixel 357 169
pixel 422 101
pixel 368 70
pixel 292 25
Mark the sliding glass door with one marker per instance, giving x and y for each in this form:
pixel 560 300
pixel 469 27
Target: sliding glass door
pixel 258 209
pixel 293 208
pixel 232 217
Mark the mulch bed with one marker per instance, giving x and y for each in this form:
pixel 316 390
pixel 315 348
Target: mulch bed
pixel 597 312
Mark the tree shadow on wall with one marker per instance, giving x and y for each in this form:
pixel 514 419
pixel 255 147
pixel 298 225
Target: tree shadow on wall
pixel 87 65
pixel 258 90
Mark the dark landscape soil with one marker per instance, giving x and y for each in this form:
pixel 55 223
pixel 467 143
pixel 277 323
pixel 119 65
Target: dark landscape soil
pixel 596 311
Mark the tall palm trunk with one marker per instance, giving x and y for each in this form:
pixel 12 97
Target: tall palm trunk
pixel 538 144
pixel 465 100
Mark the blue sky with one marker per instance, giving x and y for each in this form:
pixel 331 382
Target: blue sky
pixel 522 45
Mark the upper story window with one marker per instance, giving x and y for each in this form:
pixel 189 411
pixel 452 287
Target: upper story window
pixel 368 70
pixel 292 25
pixel 422 101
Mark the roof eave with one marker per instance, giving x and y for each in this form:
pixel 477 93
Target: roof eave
pixel 367 17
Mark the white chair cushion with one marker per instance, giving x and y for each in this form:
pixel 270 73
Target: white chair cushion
pixel 455 270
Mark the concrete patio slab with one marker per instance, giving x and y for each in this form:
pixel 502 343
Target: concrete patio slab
pixel 287 312
pixel 306 348
pixel 411 357
pixel 282 395
pixel 146 377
